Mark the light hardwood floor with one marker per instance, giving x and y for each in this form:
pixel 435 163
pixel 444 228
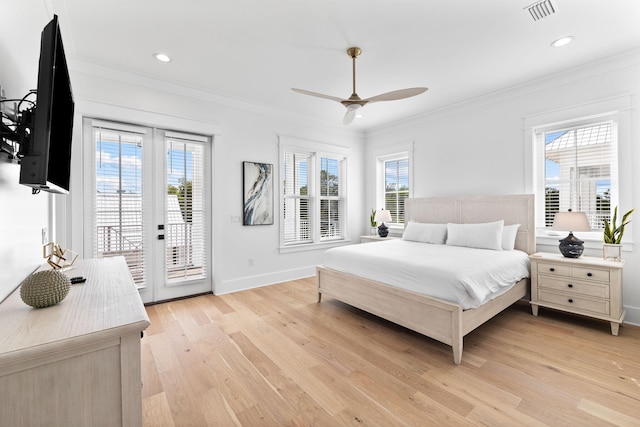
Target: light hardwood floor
pixel 273 356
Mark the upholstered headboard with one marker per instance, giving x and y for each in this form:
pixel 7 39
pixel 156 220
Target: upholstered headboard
pixel 513 209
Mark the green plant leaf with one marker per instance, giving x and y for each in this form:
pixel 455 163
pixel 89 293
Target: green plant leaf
pixel 613 234
pixel 607 231
pixel 619 237
pixel 625 216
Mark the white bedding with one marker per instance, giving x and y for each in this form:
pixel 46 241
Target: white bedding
pixel 467 276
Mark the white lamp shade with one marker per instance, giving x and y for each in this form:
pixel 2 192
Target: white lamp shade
pixel 382 215
pixel 571 221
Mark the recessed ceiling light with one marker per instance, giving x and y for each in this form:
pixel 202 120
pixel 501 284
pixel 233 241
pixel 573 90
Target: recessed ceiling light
pixel 162 57
pixel 562 41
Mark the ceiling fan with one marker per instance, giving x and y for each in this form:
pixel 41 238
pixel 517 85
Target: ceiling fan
pixel 354 102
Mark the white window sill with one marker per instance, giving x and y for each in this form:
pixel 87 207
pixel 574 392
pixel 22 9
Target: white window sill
pixel 547 239
pixel 313 246
pixel 395 229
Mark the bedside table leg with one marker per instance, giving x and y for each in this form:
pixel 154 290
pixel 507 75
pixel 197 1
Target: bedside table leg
pixel 614 328
pixel 534 310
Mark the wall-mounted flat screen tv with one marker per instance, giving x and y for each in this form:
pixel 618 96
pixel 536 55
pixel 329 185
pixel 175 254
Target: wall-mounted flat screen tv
pixel 47 161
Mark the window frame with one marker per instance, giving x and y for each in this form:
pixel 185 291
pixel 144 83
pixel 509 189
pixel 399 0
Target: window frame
pixel 541 184
pixel 615 109
pixel 403 151
pixel 316 151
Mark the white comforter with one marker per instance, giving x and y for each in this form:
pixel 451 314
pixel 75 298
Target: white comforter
pixel 466 276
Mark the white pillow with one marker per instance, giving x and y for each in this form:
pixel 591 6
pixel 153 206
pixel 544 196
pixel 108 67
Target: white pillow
pixel 483 236
pixel 426 233
pixel 509 233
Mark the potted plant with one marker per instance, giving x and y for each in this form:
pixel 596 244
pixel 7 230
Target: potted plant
pixel 372 222
pixel 613 235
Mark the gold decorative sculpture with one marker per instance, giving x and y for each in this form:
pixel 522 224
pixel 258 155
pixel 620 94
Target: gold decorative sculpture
pixel 57 257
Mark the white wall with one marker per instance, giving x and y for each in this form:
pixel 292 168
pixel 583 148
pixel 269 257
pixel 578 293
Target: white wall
pixel 479 147
pixel 241 132
pixel 22 215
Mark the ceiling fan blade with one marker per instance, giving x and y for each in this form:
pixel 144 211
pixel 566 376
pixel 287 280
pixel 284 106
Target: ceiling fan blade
pixel 319 95
pixel 397 94
pixel 349 116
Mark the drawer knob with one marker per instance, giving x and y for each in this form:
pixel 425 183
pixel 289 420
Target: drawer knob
pixel 570 285
pixel 552 269
pixel 570 300
pixel 589 274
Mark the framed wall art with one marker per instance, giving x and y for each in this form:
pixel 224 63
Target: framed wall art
pixel 257 186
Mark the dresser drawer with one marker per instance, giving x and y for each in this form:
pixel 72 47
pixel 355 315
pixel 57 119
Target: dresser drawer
pixel 598 290
pixel 554 269
pixel 590 274
pixel 572 302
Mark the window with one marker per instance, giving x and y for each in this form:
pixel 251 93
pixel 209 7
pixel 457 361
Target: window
pixel 118 207
pixel 313 195
pixel 578 170
pixel 330 198
pixel 297 200
pixel 393 184
pixel 396 187
pixel 185 240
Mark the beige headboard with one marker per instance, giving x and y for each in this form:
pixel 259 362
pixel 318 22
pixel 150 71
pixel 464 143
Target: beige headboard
pixel 513 209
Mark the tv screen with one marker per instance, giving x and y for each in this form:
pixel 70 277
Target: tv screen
pixel 47 161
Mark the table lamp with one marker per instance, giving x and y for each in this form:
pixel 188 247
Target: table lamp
pixel 381 216
pixel 571 246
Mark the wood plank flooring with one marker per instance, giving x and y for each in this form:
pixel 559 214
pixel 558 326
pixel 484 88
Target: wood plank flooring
pixel 273 356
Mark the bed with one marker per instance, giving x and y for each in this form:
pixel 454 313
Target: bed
pixel 438 318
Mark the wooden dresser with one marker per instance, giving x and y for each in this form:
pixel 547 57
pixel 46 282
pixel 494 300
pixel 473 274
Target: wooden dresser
pixel 76 363
pixel 586 285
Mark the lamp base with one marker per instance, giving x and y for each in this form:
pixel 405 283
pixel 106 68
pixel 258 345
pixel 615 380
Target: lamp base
pixel 571 246
pixel 383 230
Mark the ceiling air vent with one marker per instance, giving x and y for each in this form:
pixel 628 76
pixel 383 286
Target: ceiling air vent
pixel 541 9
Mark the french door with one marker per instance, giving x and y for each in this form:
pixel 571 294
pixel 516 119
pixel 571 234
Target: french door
pixel 149 204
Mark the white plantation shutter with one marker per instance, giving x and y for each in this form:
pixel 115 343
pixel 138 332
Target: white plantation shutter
pixel 331 199
pixel 580 170
pixel 297 200
pixel 396 187
pixel 118 216
pixel 313 194
pixel 185 231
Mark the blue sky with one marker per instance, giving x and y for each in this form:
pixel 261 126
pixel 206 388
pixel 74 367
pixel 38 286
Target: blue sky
pixel 119 166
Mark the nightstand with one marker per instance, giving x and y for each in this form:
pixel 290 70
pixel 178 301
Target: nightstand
pixel 375 238
pixel 588 286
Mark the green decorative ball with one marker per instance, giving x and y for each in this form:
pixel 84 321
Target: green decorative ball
pixel 45 288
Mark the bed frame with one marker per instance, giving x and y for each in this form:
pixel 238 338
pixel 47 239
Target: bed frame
pixel 441 320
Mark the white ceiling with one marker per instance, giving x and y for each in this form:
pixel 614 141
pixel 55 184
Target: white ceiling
pixel 257 50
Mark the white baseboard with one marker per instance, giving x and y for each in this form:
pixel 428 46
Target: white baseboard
pixel 256 281
pixel 632 316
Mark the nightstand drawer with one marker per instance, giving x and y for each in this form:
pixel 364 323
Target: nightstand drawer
pixel 590 274
pixel 554 269
pixel 598 290
pixel 573 302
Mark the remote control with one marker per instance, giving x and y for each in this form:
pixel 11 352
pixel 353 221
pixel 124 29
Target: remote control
pixel 77 279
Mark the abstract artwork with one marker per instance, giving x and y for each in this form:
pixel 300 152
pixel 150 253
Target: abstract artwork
pixel 258 193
